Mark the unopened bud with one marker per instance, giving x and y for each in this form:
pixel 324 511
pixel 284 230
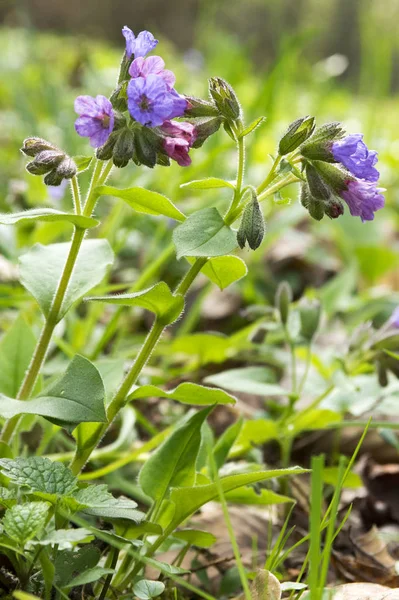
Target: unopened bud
pixel 283 300
pixel 105 152
pixel 297 133
pixel 224 98
pixel 309 313
pixel 45 161
pixel 67 168
pixel 328 132
pixel 204 128
pixel 333 176
pixel 196 107
pixel 313 206
pixel 317 186
pixel 252 227
pixel 317 151
pixel 146 146
pixel 53 178
pixel 33 145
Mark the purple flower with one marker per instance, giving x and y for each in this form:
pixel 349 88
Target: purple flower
pixel 142 67
pixel 140 45
pixel 353 153
pixel 363 198
pixel 96 120
pixel 180 138
pixel 151 101
pixel 394 318
pixel 178 129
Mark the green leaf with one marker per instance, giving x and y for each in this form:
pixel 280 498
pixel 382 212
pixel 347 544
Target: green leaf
pixel 224 270
pixel 145 589
pixel 195 537
pixel 96 500
pixel 205 347
pixel 376 261
pixel 157 299
pixel 352 480
pixel 41 476
pixel 225 442
pixel 69 564
pixel 47 214
pixel 144 201
pixel 253 433
pixel 7 497
pixel 24 596
pixel 208 184
pixel 41 268
pixel 65 538
pixel 248 495
pixel 188 500
pixel 259 121
pixel 309 420
pixel 77 397
pixel 16 350
pixel 186 393
pixel 204 233
pixel 250 380
pixel 23 521
pixel 173 463
pixel 82 162
pixel 93 574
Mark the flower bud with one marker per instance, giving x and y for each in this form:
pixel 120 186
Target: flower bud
pixel 67 168
pixel 283 300
pixel 146 146
pixel 317 151
pixel 317 186
pixel 118 98
pixel 196 107
pixel 124 148
pixel 33 145
pixel 313 206
pixel 252 227
pixel 328 132
pixel 297 133
pixel 105 152
pixel 309 313
pixel 333 176
pixel 225 98
pixel 53 178
pixel 45 161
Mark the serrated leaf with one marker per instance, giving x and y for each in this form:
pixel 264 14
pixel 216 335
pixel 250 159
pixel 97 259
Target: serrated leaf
pixel 7 497
pixel 93 574
pixel 41 268
pixel 82 162
pixel 75 398
pixel 65 538
pixel 23 521
pixel 204 233
pixel 145 589
pixel 95 500
pixel 186 393
pixel 40 475
pixel 158 299
pixel 144 201
pixel 188 500
pixel 195 537
pixel 173 463
pixel 16 349
pixel 47 215
pixel 207 184
pixel 251 380
pixel 259 121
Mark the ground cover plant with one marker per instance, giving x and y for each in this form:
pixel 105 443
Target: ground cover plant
pixel 136 423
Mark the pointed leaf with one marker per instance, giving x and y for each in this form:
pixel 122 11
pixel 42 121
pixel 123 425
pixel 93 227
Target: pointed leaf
pixel 186 393
pixel 82 162
pixel 204 233
pixel 250 380
pixel 23 521
pixel 90 575
pixel 47 214
pixel 225 442
pixel 41 268
pixel 144 201
pixel 207 184
pixel 77 397
pixel 173 463
pixel 157 299
pixel 65 538
pixel 259 121
pixel 188 500
pixel 248 495
pixel 195 537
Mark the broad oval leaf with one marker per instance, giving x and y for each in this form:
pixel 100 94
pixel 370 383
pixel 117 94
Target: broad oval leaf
pixel 65 538
pixel 173 463
pixel 207 184
pixel 47 214
pixel 23 521
pixel 41 268
pixel 186 393
pixel 188 500
pixel 158 299
pixel 40 475
pixel 225 270
pixel 89 576
pixel 196 537
pixel 144 201
pixel 145 589
pixel 204 233
pixel 250 380
pixel 77 397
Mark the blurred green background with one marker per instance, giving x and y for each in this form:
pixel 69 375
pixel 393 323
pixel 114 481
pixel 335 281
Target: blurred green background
pixel 335 59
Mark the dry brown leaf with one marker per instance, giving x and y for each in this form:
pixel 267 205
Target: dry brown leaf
pixel 265 586
pixel 365 591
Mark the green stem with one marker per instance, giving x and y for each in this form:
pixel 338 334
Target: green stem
pixel 52 319
pixel 189 277
pixel 77 202
pixel 271 176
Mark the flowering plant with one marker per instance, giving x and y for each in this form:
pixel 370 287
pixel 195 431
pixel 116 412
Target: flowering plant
pixel 52 516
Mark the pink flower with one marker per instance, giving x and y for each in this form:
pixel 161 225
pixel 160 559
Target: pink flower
pixel 180 138
pixel 153 65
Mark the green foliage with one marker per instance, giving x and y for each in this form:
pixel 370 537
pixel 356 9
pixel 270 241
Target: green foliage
pixel 204 233
pixel 91 266
pixel 186 393
pixel 16 349
pixel 49 215
pixel 144 201
pixel 146 589
pixel 23 522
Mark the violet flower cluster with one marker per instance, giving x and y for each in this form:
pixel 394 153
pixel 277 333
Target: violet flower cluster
pixel 362 195
pixel 152 101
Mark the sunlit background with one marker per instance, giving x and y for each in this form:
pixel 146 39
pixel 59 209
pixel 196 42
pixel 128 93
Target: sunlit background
pixel 335 59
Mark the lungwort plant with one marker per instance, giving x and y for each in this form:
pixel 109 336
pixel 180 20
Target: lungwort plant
pixel 61 537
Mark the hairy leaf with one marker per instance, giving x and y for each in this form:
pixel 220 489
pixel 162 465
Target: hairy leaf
pixel 40 475
pixel 23 521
